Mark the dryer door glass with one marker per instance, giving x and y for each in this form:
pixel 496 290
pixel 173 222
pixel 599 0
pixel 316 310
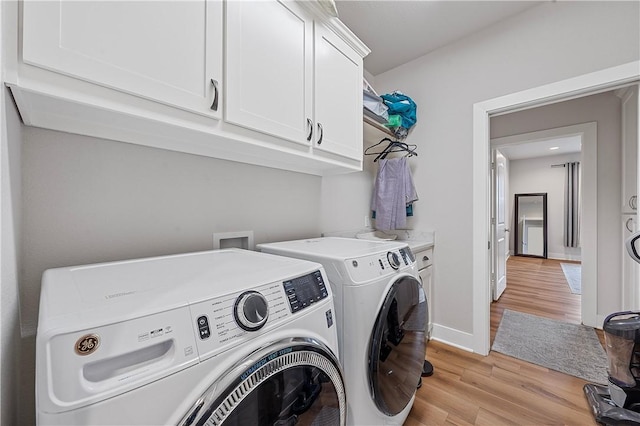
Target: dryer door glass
pixel 294 382
pixel 397 346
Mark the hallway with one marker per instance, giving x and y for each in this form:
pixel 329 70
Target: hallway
pixel 538 287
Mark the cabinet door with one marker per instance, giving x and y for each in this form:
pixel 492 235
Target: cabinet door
pixel 166 51
pixel 630 269
pixel 426 276
pixel 630 149
pixel 269 68
pixel 338 96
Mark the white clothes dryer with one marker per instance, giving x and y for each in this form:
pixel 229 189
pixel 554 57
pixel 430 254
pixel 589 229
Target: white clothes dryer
pixel 228 337
pixel 381 311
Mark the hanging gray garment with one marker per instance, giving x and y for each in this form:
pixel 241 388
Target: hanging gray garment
pixel 393 190
pixel 572 205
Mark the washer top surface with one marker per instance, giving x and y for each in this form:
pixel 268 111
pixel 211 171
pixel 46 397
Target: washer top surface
pixel 159 283
pixel 334 247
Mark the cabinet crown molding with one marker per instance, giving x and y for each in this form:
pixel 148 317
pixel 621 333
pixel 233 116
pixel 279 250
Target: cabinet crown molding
pixel 336 25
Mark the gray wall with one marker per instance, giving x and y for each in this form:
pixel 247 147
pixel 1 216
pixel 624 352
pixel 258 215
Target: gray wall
pixel 535 175
pixel 10 213
pixel 88 200
pixel 545 44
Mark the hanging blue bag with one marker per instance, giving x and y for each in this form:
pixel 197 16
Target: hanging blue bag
pixel 402 105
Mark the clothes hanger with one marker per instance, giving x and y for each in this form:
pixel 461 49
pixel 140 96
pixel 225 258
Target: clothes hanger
pixel 401 146
pixel 366 151
pixel 392 146
pixel 380 153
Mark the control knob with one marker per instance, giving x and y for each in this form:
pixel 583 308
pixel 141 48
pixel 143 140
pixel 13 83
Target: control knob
pixel 393 259
pixel 251 311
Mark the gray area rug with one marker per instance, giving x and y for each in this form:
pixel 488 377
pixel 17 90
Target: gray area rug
pixel 573 274
pixel 569 348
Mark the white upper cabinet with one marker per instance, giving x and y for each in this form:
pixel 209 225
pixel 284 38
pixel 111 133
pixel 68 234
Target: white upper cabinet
pixel 289 76
pixel 269 68
pixel 338 96
pixel 166 51
pixel 271 83
pixel 630 113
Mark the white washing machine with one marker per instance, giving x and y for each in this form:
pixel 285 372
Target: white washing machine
pixel 229 337
pixel 381 312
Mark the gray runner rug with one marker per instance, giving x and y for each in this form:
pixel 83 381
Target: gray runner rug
pixel 569 348
pixel 573 274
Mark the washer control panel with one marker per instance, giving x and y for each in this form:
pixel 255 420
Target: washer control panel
pixel 369 267
pixel 303 291
pixel 251 310
pixel 231 319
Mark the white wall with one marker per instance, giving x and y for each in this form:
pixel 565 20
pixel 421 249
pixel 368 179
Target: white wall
pixel 348 197
pixel 10 198
pixel 605 110
pixel 89 200
pixel 535 175
pixel 10 194
pixel 544 44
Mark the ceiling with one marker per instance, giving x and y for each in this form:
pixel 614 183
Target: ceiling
pixel 565 145
pixel 399 31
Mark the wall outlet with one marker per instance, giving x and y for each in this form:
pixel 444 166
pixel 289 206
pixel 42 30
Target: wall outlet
pixel 367 221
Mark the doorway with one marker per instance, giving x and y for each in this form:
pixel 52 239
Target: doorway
pixel 535 162
pixel 593 83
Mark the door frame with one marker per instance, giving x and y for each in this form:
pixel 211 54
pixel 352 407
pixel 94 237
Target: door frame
pixel 587 84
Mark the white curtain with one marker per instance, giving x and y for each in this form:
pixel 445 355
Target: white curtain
pixel 572 205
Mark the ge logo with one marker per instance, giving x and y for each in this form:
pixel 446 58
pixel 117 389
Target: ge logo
pixel 87 344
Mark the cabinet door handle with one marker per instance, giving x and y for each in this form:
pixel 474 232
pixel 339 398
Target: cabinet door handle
pixel 633 202
pixel 321 133
pixel 310 124
pixel 214 105
pixel 425 258
pixel 627 224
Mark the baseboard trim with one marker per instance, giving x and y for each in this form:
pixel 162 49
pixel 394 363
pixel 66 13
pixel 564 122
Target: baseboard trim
pixel 564 256
pixel 600 321
pixel 453 337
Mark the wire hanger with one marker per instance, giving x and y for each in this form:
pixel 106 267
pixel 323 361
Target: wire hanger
pixel 392 146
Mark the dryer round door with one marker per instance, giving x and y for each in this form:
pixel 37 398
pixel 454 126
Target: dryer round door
pixel 292 382
pixel 397 346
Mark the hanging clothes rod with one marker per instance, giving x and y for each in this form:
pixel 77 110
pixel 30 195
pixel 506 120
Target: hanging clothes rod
pixel 558 165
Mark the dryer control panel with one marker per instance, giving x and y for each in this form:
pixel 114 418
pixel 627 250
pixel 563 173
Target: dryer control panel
pixel 369 267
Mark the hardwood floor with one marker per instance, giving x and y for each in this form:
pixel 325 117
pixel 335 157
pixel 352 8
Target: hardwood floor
pixel 470 389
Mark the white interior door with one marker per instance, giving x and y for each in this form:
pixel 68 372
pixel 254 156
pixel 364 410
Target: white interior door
pixel 636 281
pixel 631 137
pixel 499 226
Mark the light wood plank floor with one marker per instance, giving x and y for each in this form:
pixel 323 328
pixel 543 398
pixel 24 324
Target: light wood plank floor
pixel 468 389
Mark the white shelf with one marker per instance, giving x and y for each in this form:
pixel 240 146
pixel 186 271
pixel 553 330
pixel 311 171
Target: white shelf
pixel 378 126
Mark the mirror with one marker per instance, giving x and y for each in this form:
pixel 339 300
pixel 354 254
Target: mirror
pixel 530 238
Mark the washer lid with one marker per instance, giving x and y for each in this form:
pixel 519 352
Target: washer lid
pixel 332 247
